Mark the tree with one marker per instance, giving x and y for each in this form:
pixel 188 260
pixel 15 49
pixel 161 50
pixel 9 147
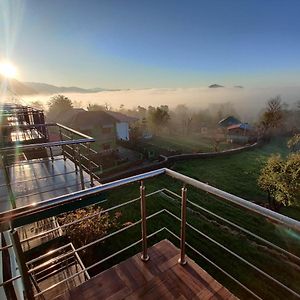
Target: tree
pixel 273 116
pixel 95 107
pixel 159 117
pixel 90 229
pixel 37 105
pixel 58 104
pixel 280 178
pixel 184 115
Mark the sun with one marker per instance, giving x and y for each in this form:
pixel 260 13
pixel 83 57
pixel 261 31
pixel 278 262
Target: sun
pixel 8 70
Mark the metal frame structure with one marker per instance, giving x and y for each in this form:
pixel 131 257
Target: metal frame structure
pixel 17 217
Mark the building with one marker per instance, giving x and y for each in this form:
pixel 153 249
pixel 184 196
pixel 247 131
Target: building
pixel 145 257
pixel 98 124
pixel 105 126
pixel 241 133
pixel 228 121
pixel 123 123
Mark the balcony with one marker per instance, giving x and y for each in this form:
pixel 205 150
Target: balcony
pixel 183 239
pixel 34 169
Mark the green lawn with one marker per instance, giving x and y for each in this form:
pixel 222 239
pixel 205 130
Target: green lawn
pixel 245 246
pixel 236 174
pixel 184 144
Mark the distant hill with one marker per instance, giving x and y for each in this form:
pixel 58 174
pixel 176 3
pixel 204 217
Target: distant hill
pixel 15 87
pixel 238 86
pixel 214 86
pixel 44 88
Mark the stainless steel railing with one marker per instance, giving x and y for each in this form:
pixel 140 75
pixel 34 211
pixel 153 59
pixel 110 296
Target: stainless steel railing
pixel 72 144
pixel 7 220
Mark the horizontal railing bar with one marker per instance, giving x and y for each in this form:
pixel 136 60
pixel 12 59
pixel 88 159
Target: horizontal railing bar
pixel 60 258
pixel 93 242
pixel 293 224
pixel 10 280
pixel 88 217
pixel 98 263
pixel 48 144
pixel 245 261
pixel 49 253
pixel 239 227
pixel 80 261
pixel 56 271
pixel 216 266
pixel 40 160
pixel 74 131
pixel 237 256
pixel 76 180
pixel 61 200
pixel 248 232
pixel 28 126
pixel 54 265
pixel 6 247
pixel 279 218
pixel 38 178
pixel 72 158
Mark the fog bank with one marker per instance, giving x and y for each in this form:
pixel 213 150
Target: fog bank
pixel 247 101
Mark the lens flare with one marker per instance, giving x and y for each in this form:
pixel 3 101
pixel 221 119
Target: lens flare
pixel 8 70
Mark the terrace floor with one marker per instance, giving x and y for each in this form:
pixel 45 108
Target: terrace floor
pixel 159 278
pixel 40 179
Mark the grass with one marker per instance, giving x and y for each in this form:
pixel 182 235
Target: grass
pixel 245 246
pixel 184 144
pixel 236 174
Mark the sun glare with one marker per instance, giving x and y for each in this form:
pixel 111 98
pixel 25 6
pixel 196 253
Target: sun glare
pixel 7 70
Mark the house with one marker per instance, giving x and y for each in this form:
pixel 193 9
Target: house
pixel 241 133
pixel 228 121
pixel 67 116
pixel 98 124
pixel 106 126
pixel 123 123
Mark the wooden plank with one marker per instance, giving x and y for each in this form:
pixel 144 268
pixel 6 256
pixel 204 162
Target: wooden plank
pixel 159 278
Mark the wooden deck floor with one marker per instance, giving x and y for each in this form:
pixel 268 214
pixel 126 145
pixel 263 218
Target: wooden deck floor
pixel 159 278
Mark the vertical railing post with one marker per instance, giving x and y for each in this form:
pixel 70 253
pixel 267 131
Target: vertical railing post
pixel 80 167
pixel 22 264
pixel 62 147
pixel 74 154
pixel 51 154
pixel 3 165
pixel 90 164
pixel 145 256
pixel 182 259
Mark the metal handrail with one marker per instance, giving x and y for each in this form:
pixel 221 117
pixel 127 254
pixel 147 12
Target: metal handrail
pixel 77 197
pixel 87 217
pixel 36 208
pixel 215 265
pixel 47 145
pixel 269 214
pixel 33 126
pixel 236 255
pixel 248 232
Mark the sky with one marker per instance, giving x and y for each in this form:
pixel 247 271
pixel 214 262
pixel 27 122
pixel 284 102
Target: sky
pixel 152 44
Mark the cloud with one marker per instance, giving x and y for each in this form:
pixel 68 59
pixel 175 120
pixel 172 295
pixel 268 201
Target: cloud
pixel 247 101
